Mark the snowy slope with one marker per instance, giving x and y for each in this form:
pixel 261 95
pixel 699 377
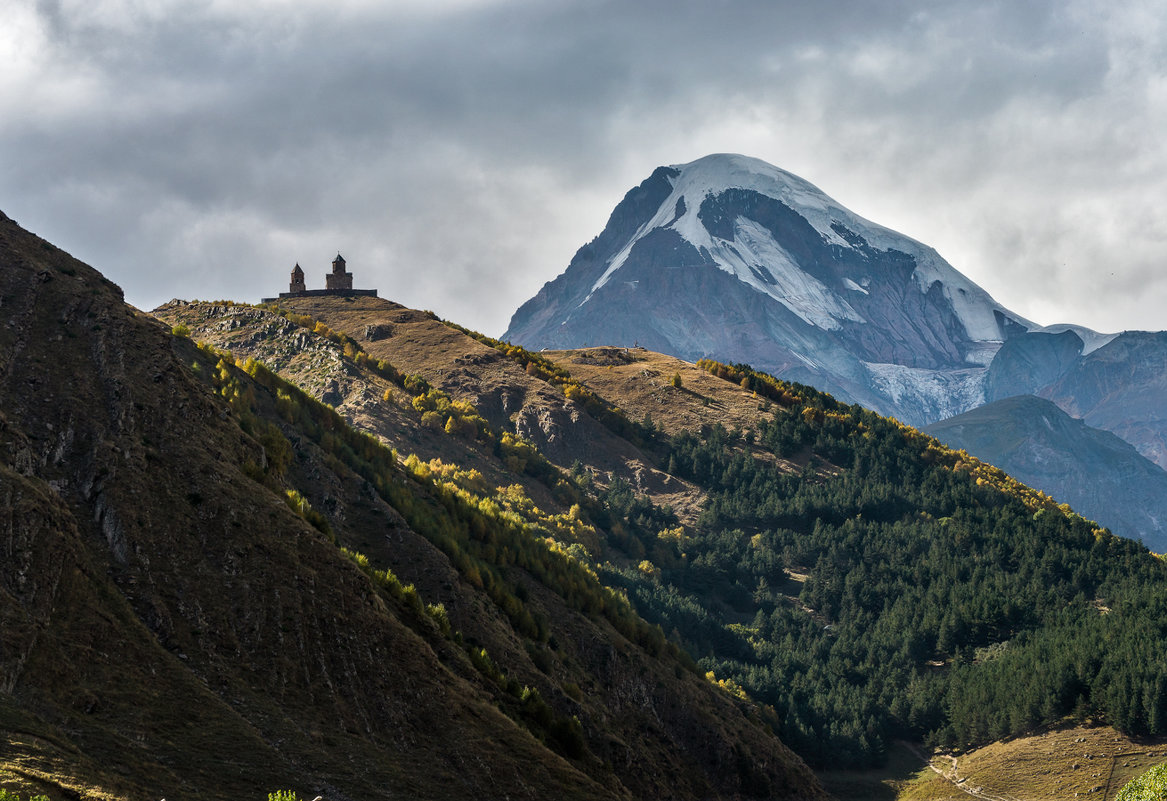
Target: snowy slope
pixel 732 258
pixel 1091 340
pixel 756 259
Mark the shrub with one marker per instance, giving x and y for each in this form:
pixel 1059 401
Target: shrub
pixel 299 504
pixel 8 795
pixel 438 613
pixel 1151 786
pixel 276 448
pixel 567 734
pixel 415 384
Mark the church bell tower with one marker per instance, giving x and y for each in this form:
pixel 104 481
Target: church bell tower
pixel 297 284
pixel 338 278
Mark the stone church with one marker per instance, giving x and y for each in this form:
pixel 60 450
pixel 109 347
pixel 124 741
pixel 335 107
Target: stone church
pixel 338 282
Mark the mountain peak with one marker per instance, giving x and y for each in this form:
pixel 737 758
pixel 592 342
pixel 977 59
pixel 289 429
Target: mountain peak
pixel 720 171
pixel 723 170
pixel 729 256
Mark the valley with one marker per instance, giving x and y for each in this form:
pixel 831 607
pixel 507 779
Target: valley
pixel 340 529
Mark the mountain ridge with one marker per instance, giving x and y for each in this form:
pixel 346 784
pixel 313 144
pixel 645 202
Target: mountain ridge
pixel 1101 475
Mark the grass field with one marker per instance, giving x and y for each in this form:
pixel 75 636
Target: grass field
pixel 1089 762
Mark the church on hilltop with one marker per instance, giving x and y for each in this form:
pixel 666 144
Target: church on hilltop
pixel 339 282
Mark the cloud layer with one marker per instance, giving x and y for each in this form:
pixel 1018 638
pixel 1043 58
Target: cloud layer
pixel 458 153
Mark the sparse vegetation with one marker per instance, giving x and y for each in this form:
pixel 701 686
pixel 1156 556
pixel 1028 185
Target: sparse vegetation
pixel 386 580
pixel 480 534
pixel 539 366
pixel 477 542
pixel 299 504
pixel 351 349
pixel 562 733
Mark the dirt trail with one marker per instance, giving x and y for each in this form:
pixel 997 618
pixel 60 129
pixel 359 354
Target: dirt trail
pixel 952 774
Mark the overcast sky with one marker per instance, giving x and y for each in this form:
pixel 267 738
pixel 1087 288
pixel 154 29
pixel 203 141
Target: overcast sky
pixel 458 152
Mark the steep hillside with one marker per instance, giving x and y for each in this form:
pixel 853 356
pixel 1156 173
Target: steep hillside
pixel 1100 475
pixel 496 394
pixel 1121 387
pixel 862 580
pixel 895 588
pixel 180 619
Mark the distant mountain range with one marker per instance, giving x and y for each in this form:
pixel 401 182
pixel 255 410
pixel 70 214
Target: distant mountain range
pixel 731 258
pixel 1036 442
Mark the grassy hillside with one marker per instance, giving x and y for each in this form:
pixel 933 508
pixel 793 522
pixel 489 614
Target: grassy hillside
pixel 1071 762
pixel 214 587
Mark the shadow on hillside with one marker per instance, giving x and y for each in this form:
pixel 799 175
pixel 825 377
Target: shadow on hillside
pixel 881 784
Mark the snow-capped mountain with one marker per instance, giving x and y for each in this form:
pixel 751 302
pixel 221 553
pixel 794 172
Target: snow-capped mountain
pixel 710 207
pixel 732 258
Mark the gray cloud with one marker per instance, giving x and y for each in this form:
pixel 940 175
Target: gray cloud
pixel 459 153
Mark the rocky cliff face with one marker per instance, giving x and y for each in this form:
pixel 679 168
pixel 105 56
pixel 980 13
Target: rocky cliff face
pixel 1121 387
pixel 1027 364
